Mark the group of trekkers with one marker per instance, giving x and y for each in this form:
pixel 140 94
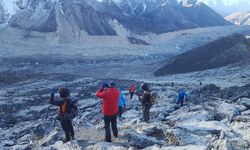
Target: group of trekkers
pixel 113 105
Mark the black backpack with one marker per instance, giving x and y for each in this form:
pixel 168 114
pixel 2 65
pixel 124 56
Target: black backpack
pixel 74 107
pixel 73 102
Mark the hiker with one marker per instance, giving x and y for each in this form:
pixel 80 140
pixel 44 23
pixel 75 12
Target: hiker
pixel 64 111
pixel 172 84
pixel 181 96
pixel 121 104
pixel 131 90
pixel 144 98
pixel 109 96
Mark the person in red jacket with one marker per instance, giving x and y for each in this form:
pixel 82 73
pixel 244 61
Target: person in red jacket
pixel 131 90
pixel 109 96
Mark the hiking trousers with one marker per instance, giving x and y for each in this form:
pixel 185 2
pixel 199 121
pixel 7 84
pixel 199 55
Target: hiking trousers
pixel 110 120
pixel 67 128
pixel 145 111
pixel 181 100
pixel 131 95
pixel 120 111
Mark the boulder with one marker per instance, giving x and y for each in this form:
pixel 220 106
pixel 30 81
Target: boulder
pixel 181 137
pixel 51 138
pixel 22 147
pixel 130 114
pixel 141 141
pixel 203 127
pixel 106 146
pixel 153 130
pixel 24 139
pixel 245 102
pixel 154 147
pixel 227 111
pixel 8 143
pixel 231 144
pixel 72 145
pixel 187 147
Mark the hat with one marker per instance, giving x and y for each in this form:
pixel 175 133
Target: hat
pixel 145 87
pixel 112 84
pixel 64 92
pixel 105 85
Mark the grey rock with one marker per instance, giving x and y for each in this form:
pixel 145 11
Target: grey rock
pixel 141 141
pixel 204 127
pixel 51 138
pixel 181 137
pixel 22 147
pixel 8 143
pixel 107 146
pixel 72 145
pixel 245 102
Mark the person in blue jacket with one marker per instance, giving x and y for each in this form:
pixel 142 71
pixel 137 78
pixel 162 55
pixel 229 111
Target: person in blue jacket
pixel 121 103
pixel 181 96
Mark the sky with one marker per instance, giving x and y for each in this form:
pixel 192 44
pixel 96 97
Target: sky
pixel 10 6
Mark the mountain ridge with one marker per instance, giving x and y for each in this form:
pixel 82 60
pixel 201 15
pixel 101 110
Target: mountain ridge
pixel 94 17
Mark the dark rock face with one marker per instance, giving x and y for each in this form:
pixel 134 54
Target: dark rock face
pixel 225 51
pixel 87 18
pixel 94 17
pixel 164 16
pixel 39 16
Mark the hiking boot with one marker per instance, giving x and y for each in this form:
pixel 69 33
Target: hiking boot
pixel 108 141
pixel 65 141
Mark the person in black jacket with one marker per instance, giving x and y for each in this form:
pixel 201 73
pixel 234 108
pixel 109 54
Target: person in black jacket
pixel 145 101
pixel 64 110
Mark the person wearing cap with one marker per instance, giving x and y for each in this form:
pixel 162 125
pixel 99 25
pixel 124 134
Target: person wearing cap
pixel 109 96
pixel 64 107
pixel 131 90
pixel 121 104
pixel 145 101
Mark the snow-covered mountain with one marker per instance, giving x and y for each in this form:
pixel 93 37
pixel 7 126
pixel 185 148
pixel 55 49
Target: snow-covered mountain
pixel 227 7
pixel 240 18
pixel 71 17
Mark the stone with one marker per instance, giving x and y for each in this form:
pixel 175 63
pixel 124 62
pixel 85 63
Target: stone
pixel 51 138
pixel 131 114
pixel 8 143
pixel 154 147
pixel 187 147
pixel 227 111
pixel 107 146
pixel 181 137
pixel 141 141
pixel 245 102
pixel 203 127
pixel 72 145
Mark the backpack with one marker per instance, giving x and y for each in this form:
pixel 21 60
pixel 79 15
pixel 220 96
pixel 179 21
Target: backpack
pixel 74 108
pixel 153 97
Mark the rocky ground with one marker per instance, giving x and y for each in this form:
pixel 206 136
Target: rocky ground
pixel 212 118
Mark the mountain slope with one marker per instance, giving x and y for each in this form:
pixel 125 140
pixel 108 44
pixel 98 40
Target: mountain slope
pixel 95 17
pixel 3 14
pixel 45 16
pixel 240 18
pixel 227 7
pixel 222 52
